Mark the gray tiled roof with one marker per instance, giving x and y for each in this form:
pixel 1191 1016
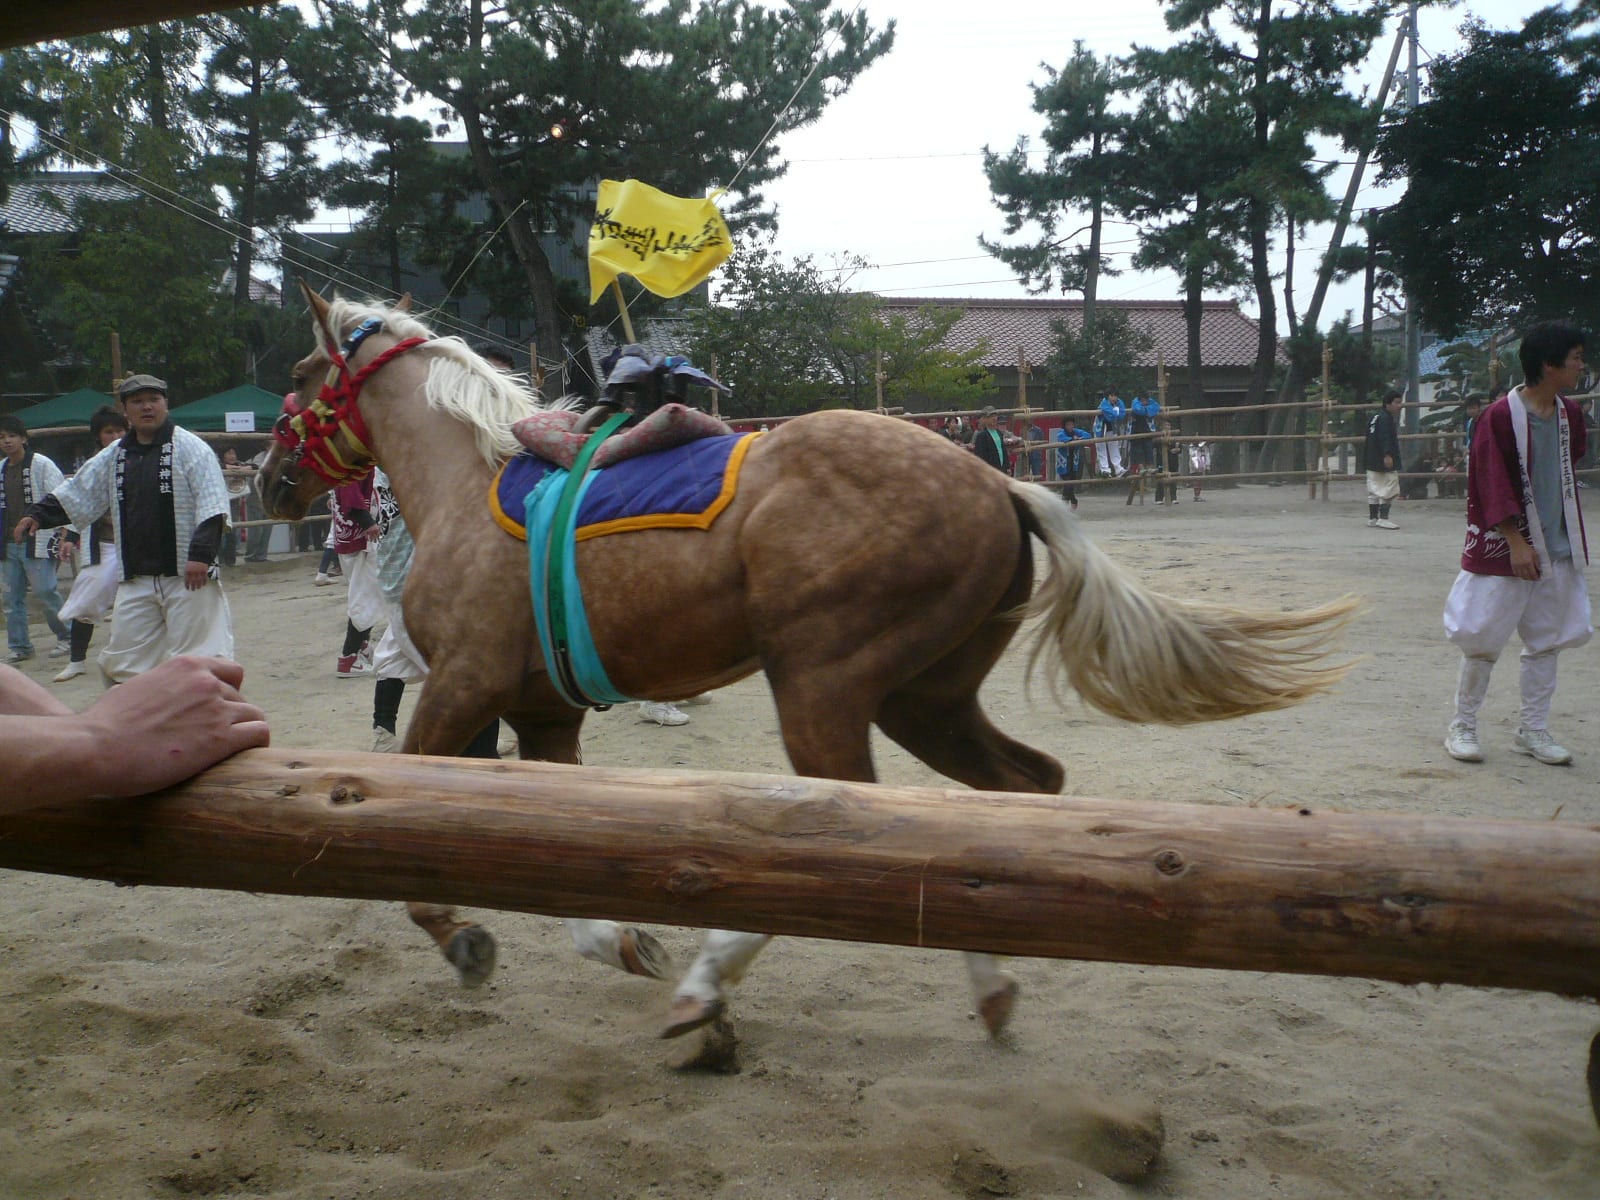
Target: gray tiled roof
pixel 9 265
pixel 44 203
pixel 658 335
pixel 1227 336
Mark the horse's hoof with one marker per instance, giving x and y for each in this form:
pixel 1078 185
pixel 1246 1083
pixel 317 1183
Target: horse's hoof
pixel 472 952
pixel 689 1013
pixel 643 955
pixel 995 1008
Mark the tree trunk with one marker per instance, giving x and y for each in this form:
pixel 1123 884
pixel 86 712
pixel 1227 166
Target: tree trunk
pixel 245 218
pixel 391 234
pixel 1294 385
pixel 1413 899
pixel 1193 313
pixel 524 240
pixel 1369 289
pixel 1288 277
pixel 156 78
pixel 1259 211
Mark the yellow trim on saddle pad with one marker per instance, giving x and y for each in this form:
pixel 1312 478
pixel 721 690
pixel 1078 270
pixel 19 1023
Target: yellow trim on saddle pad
pixel 502 518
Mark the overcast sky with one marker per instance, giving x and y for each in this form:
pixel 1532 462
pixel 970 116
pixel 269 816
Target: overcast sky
pixel 893 171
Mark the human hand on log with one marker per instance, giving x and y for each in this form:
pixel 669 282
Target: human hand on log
pixel 153 731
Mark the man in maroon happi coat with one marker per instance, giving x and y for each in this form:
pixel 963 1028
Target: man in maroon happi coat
pixel 1522 565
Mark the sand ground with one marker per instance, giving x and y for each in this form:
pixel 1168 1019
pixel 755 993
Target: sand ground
pixel 161 1042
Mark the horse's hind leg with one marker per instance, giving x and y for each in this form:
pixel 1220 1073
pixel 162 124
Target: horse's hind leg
pixel 956 738
pixel 626 947
pixel 725 955
pixel 938 719
pixel 824 738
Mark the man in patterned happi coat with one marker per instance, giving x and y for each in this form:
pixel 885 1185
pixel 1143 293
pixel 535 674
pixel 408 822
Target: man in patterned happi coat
pixel 168 503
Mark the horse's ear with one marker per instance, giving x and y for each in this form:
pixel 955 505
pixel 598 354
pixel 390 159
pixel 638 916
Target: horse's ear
pixel 317 305
pixel 403 305
pixel 320 309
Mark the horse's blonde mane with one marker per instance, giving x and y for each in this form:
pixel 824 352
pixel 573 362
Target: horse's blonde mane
pixel 460 384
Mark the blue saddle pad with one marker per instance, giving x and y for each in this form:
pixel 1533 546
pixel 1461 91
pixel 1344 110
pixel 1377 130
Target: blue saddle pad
pixel 686 487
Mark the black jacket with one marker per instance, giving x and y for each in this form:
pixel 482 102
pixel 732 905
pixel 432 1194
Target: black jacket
pixel 1383 437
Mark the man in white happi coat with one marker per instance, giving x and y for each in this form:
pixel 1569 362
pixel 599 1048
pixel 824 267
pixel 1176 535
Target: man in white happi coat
pixel 25 476
pixel 168 503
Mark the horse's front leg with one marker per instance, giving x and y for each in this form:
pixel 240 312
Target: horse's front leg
pixel 446 718
pixel 547 738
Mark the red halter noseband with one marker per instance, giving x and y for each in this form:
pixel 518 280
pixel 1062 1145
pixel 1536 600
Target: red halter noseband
pixel 329 435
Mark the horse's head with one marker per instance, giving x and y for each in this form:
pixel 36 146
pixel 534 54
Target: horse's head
pixel 319 443
pixel 459 411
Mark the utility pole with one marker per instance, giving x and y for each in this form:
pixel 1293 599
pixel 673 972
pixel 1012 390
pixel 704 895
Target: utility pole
pixel 1412 418
pixel 1294 384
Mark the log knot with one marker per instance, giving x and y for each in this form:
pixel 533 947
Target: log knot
pixel 1170 862
pixel 691 877
pixel 340 794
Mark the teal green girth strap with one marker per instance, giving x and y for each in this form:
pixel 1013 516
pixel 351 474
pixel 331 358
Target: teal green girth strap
pixel 561 529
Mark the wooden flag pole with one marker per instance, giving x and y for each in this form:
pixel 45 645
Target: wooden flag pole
pixel 622 308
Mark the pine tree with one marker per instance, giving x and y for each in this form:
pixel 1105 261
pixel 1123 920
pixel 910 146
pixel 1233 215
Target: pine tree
pixel 1083 138
pixel 1286 66
pixel 1500 220
pixel 552 96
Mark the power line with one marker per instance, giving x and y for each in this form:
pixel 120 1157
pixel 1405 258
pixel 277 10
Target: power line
pixel 307 264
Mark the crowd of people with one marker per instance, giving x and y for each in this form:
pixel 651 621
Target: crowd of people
pixel 155 506
pixel 1141 446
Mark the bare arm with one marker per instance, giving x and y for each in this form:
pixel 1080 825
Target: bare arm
pixel 155 730
pixel 21 696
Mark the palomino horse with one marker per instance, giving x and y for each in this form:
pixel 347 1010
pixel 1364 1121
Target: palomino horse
pixel 872 569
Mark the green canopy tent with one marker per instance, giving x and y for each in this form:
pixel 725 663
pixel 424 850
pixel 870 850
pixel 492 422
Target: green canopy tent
pixel 211 414
pixel 73 409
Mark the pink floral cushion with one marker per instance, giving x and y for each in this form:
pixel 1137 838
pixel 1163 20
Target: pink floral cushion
pixel 550 434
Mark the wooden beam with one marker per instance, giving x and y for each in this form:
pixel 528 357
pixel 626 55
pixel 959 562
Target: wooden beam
pixel 1412 899
pixel 24 22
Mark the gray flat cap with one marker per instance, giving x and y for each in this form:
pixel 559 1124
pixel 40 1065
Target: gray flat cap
pixel 140 383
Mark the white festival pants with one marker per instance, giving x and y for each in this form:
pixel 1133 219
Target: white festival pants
pixel 1110 455
pixel 395 657
pixel 94 588
pixel 365 603
pixel 1549 614
pixel 157 618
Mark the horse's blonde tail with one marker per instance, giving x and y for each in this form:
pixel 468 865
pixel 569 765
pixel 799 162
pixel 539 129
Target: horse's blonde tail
pixel 1142 656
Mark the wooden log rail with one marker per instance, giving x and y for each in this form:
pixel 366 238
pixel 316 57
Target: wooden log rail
pixel 1413 899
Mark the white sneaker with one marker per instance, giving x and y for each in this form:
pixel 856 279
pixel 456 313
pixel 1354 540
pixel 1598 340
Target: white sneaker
pixel 351 666
pixel 71 671
pixel 701 698
pixel 1372 522
pixel 323 579
pixel 1385 523
pixel 384 742
pixel 662 713
pixel 61 649
pixel 1461 743
pixel 1537 743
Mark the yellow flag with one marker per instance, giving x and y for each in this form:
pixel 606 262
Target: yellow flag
pixel 667 243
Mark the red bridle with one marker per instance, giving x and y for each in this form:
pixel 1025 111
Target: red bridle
pixel 329 435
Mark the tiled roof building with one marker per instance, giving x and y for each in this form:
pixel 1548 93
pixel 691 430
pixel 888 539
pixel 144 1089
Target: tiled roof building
pixel 44 203
pixel 1227 339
